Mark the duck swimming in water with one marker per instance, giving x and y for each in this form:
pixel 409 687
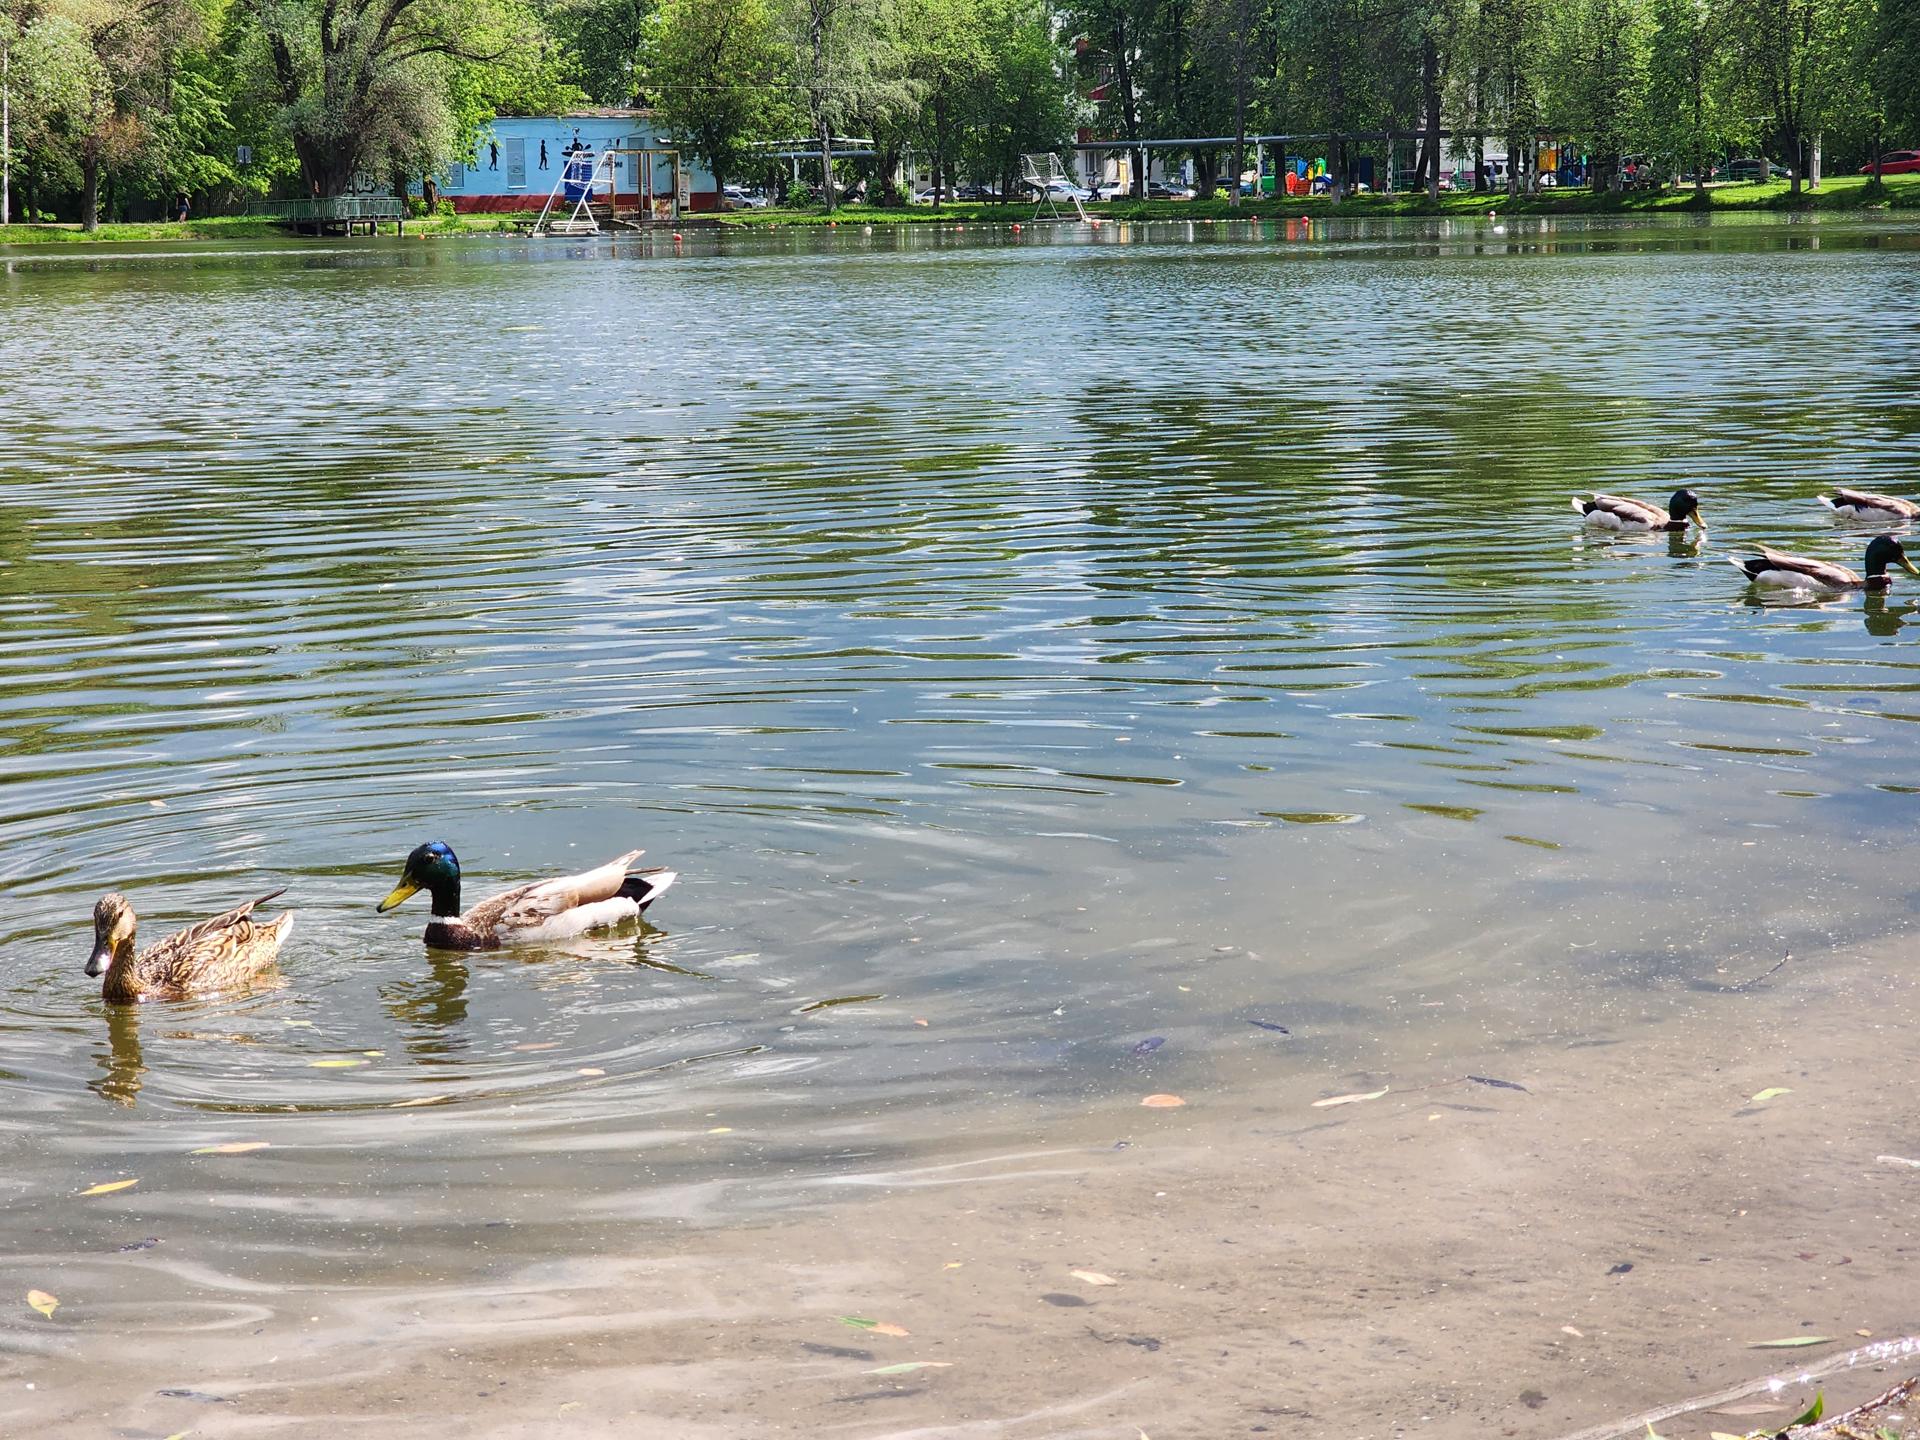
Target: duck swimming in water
pixel 1617 512
pixel 1773 567
pixel 529 914
pixel 228 952
pixel 1865 505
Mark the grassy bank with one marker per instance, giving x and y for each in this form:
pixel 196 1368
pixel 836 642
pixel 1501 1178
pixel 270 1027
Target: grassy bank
pixel 230 227
pixel 1847 192
pixel 1839 193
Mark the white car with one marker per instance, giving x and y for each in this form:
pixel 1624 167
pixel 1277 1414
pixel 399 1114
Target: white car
pixel 740 198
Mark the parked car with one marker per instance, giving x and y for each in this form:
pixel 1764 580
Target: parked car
pixel 1169 190
pixel 1749 169
pixel 1064 190
pixel 741 198
pixel 1896 162
pixel 1111 190
pixel 976 192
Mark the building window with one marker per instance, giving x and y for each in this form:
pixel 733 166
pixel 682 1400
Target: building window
pixel 456 176
pixel 516 156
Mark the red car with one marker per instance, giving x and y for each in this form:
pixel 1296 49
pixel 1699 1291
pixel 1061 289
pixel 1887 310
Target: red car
pixel 1896 162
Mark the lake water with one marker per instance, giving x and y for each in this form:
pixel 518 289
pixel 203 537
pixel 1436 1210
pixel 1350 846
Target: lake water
pixel 1062 640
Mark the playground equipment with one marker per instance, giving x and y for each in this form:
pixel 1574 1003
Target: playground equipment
pixel 1048 178
pixel 586 195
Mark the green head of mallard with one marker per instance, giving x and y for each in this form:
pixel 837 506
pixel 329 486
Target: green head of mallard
pixel 432 867
pixel 1685 505
pixel 112 933
pixel 1884 550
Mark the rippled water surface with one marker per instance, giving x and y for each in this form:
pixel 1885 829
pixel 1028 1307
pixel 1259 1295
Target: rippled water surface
pixel 994 630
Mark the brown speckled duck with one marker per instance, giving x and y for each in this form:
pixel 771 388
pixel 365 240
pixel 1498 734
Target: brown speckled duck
pixel 228 952
pixel 529 914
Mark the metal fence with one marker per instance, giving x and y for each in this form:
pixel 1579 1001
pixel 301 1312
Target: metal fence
pixel 337 210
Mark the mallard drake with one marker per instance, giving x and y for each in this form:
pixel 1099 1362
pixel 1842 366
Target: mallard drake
pixel 225 953
pixel 1797 572
pixel 1864 505
pixel 527 914
pixel 1617 512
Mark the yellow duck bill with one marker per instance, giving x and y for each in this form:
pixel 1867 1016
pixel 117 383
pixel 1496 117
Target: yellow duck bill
pixel 400 894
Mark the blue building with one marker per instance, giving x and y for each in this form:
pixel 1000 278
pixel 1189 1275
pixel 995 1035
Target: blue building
pixel 518 159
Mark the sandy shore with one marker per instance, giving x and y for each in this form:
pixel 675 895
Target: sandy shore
pixel 1449 1259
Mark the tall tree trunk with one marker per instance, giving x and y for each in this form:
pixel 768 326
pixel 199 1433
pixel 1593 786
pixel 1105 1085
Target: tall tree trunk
pixel 1480 81
pixel 1129 107
pixel 1430 91
pixel 939 148
pixel 1336 112
pixel 1240 106
pixel 89 185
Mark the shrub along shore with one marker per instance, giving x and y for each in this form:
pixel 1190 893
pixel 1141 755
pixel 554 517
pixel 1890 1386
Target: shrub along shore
pixel 1840 193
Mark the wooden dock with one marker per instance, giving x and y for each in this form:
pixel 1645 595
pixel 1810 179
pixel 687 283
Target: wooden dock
pixel 338 215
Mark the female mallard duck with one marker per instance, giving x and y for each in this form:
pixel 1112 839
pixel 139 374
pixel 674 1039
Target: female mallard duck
pixel 1864 505
pixel 527 914
pixel 227 952
pixel 1800 573
pixel 1616 512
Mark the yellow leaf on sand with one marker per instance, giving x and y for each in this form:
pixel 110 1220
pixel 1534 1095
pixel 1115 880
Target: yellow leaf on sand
pixel 1333 1100
pixel 570 1405
pixel 1162 1102
pixel 589 1070
pixel 333 1064
pixel 721 1130
pixel 1768 1094
pixel 107 1187
pixel 232 1147
pixel 953 1265
pixel 1569 1330
pixel 43 1302
pixel 1093 1277
pixel 1723 1435
pixel 884 1328
pixel 179 1435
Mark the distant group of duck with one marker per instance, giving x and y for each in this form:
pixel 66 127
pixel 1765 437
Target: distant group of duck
pixel 1775 567
pixel 232 950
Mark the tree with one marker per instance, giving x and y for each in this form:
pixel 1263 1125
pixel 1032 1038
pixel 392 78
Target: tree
pixel 378 87
pixel 714 73
pixel 1684 85
pixel 1598 61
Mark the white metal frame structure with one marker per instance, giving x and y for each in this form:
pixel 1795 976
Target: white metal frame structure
pixel 580 221
pixel 1043 170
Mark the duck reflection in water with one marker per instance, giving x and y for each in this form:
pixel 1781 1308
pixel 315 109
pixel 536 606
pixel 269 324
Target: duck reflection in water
pixel 1886 617
pixel 121 1064
pixel 432 1008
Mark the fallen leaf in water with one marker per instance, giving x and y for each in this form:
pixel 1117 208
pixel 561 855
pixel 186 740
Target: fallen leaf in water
pixel 376 1054
pixel 590 1070
pixel 107 1187
pixel 1093 1277
pixel 1350 1099
pixel 299 1024
pixel 158 804
pixel 538 1045
pixel 43 1302
pixel 1811 1415
pixel 333 1064
pixel 1569 1330
pixel 1269 1025
pixel 419 1100
pixel 1898 1160
pixel 1149 1045
pixel 918 1021
pixel 721 1130
pixel 907 1367
pixel 1792 1342
pixel 1162 1102
pixel 1768 1094
pixel 878 1327
pixel 232 1147
pixel 1498 1084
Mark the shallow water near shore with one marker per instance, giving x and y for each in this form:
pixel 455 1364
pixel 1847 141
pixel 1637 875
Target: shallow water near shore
pixel 1065 640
